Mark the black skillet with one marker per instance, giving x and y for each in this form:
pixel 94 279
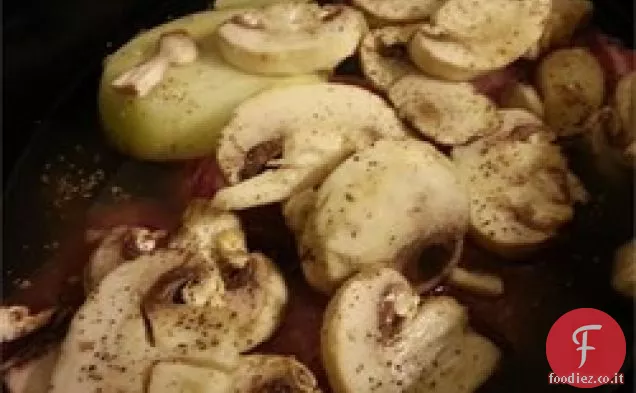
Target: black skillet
pixel 52 62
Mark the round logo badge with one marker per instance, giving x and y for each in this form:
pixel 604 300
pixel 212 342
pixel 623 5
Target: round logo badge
pixel 585 348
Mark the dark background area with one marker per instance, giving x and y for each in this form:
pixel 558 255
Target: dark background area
pixel 49 45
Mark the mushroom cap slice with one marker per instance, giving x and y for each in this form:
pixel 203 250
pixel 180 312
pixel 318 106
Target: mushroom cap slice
pixel 272 374
pixel 110 344
pixel 572 84
pixel 291 38
pixel 384 57
pixel 468 38
pixel 248 287
pixel 465 365
pixel 520 186
pixel 382 206
pixel 257 301
pixel 391 11
pixel 249 308
pixel 448 113
pixel 379 336
pixel 316 127
pixel 254 374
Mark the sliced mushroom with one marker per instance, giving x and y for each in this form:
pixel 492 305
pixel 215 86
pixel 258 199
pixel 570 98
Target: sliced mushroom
pixel 215 234
pixel 317 125
pixel 522 96
pixel 383 206
pixel 33 376
pixel 255 374
pixel 111 345
pixel 391 11
pixel 624 270
pixel 18 321
pixel 297 211
pixel 256 295
pixel 247 285
pixel 566 16
pixel 291 38
pixel 384 55
pixel 520 186
pixel 379 336
pixel 572 84
pixel 123 244
pixel 117 246
pixel 468 38
pixel 180 321
pixel 449 113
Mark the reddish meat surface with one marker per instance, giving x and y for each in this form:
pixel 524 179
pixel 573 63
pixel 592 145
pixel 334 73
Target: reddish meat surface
pixel 299 334
pixel 143 213
pixel 61 275
pixel 494 83
pixel 202 178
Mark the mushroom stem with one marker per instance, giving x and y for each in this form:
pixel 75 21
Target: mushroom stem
pixel 404 303
pixel 480 283
pixel 174 48
pixel 232 247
